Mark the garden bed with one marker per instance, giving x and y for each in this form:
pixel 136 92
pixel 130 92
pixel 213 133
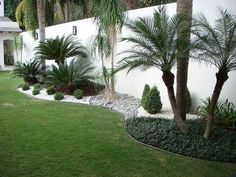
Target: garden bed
pixel 165 134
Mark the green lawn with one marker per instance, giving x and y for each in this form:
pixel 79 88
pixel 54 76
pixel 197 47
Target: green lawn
pixel 51 139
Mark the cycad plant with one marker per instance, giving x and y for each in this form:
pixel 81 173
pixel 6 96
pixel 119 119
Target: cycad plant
pixel 216 45
pixel 59 49
pixel 109 15
pixel 31 72
pixel 154 46
pixel 66 77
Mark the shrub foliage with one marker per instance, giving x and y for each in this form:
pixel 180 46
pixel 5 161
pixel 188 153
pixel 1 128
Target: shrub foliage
pixel 165 135
pixel 152 101
pixel 78 94
pixel 59 96
pixel 146 91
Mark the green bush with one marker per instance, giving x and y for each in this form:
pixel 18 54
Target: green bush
pixel 59 96
pixel 188 101
pixel 51 90
pixel 153 103
pixel 25 87
pixel 37 86
pixel 165 134
pixel 146 91
pixel 36 91
pixel 225 112
pixel 78 94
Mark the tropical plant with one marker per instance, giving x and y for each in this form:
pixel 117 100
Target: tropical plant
pixel 155 46
pixel 100 47
pixel 31 71
pixel 109 15
pixel 225 112
pixel 146 91
pixel 17 44
pixel 184 8
pixel 152 102
pixel 59 49
pixel 216 45
pixel 65 78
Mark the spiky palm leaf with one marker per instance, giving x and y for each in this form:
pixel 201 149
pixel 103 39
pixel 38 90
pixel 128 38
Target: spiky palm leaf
pixel 31 72
pixel 59 49
pixel 154 42
pixel 216 44
pixel 65 77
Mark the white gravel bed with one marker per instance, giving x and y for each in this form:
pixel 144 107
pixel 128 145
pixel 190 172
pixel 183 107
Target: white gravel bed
pixel 67 98
pixel 165 113
pixel 129 106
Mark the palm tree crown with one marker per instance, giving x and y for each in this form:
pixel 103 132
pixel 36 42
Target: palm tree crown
pixel 217 44
pixel 59 49
pixel 154 42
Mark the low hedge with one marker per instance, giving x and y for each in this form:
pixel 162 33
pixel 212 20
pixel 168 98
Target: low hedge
pixel 165 135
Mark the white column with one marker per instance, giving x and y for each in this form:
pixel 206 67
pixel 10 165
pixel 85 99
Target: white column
pixel 1 8
pixel 1 55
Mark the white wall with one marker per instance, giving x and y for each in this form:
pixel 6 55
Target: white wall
pixel 201 77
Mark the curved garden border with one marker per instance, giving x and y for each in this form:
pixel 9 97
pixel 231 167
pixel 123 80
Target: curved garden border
pixel 86 100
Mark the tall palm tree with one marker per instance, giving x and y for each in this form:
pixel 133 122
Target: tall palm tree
pixel 155 46
pixel 217 46
pixel 109 15
pixel 184 7
pixel 100 47
pixel 59 49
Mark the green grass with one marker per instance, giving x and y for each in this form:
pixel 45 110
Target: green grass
pixel 52 139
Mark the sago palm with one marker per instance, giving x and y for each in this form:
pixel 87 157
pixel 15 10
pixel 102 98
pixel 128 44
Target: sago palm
pixel 59 49
pixel 216 45
pixel 66 77
pixel 154 46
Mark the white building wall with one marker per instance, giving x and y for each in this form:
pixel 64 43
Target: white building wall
pixel 201 77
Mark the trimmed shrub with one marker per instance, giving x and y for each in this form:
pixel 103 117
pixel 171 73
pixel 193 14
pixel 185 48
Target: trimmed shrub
pixel 51 90
pixel 153 103
pixel 36 92
pixel 188 101
pixel 59 96
pixel 165 134
pixel 25 87
pixel 78 94
pixel 37 86
pixel 146 91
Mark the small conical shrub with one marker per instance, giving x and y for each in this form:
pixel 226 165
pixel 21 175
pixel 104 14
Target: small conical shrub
pixel 188 101
pixel 146 91
pixel 153 103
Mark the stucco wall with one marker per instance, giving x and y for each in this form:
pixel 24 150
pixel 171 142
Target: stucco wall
pixel 201 77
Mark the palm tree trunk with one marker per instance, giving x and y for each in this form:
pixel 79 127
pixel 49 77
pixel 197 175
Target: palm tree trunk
pixel 41 22
pixel 113 43
pixel 184 7
pixel 221 78
pixel 85 9
pixel 66 11
pixel 41 19
pixel 168 77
